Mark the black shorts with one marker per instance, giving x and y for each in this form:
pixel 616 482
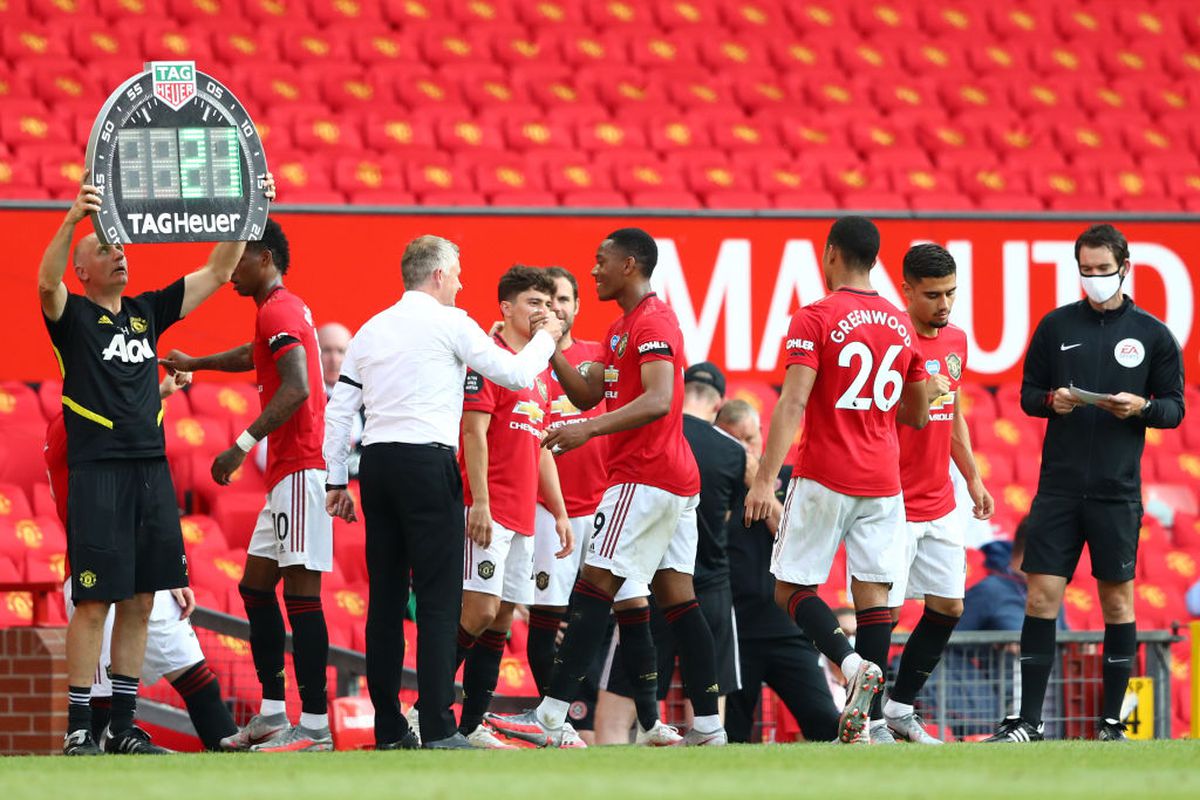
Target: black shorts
pixel 716 603
pixel 123 535
pixel 1060 526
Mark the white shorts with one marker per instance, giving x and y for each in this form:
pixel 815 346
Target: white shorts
pixel 937 561
pixel 171 644
pixel 293 529
pixel 817 519
pixel 504 569
pixel 554 578
pixel 641 529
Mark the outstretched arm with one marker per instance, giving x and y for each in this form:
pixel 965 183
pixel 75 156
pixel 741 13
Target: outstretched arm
pixel 658 387
pixel 51 290
pixel 584 390
pixel 239 359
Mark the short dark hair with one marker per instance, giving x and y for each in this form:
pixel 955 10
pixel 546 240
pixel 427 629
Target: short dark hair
pixel 520 278
pixel 928 261
pixel 639 244
pixel 858 240
pixel 275 242
pixel 558 272
pixel 1104 236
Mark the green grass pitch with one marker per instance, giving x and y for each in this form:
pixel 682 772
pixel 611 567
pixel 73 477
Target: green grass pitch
pixel 1149 770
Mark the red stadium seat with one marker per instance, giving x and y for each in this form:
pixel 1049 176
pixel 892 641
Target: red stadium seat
pixel 753 17
pixel 333 12
pixel 426 178
pixel 664 199
pixel 237 402
pixel 20 537
pixel 368 174
pixel 205 436
pixel 1019 22
pixel 166 41
pixel 130 10
pixel 663 52
pixel 272 12
pixel 401 13
pixel 573 174
pixel 594 198
pixel 24 40
pixel 13 502
pixel 610 136
pixel 539 14
pixel 93 39
pixel 508 175
pixel 398 131
pixel 619 14
pixel 202 534
pixel 19 406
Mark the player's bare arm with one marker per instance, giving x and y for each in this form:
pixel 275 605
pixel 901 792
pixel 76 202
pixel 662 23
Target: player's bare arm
pixel 239 359
pixel 172 382
pixel 550 490
pixel 475 453
pixel 914 405
pixel 204 282
pixel 51 290
pixel 293 391
pixel 584 390
pixel 964 459
pixel 658 382
pixel 785 420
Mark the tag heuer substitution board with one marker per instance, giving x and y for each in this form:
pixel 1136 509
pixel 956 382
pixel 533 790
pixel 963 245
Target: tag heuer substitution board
pixel 176 159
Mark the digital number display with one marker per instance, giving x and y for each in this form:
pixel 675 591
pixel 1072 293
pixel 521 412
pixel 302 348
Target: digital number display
pixel 174 163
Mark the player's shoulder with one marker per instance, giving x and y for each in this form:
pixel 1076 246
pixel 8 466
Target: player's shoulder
pixel 586 350
pixel 956 336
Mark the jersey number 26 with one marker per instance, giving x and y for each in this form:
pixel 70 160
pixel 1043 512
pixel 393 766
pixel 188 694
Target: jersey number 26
pixel 886 387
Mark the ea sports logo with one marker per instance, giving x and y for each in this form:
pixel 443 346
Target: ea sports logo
pixel 1129 353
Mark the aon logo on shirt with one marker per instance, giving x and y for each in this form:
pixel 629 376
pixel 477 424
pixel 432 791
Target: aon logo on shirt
pixel 133 351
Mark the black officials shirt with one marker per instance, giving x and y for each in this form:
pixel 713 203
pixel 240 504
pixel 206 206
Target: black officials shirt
pixel 722 463
pixel 750 575
pixel 109 365
pixel 1090 453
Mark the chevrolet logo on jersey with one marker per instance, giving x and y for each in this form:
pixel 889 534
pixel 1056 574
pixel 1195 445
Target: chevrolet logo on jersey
pixel 942 409
pixel 611 374
pixel 563 407
pixel 531 410
pixel 133 351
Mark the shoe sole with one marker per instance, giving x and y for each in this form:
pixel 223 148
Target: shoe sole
pixel 238 747
pixel 856 715
pixel 899 736
pixel 312 747
pixel 537 738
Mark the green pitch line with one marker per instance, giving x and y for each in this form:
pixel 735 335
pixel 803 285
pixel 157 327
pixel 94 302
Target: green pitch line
pixel 1057 770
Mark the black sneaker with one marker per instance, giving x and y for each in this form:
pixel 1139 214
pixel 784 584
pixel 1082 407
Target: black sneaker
pixel 1015 729
pixel 133 742
pixel 1110 730
pixel 408 741
pixel 80 743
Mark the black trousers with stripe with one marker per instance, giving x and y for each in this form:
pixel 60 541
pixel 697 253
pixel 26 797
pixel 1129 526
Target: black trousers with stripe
pixel 412 498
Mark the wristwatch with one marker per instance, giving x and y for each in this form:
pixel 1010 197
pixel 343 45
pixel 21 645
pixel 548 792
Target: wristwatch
pixel 334 487
pixel 1145 408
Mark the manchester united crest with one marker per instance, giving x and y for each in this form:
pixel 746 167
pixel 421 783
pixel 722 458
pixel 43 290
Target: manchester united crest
pixel 621 345
pixel 543 580
pixel 954 366
pixel 486 570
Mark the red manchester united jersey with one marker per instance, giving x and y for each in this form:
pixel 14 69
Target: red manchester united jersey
pixel 925 453
pixel 56 464
pixel 514 440
pixel 582 472
pixel 863 350
pixel 283 323
pixel 655 454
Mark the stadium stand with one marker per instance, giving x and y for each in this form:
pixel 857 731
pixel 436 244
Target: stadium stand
pixel 869 104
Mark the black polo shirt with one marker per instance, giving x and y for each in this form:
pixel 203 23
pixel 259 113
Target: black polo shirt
pixel 722 463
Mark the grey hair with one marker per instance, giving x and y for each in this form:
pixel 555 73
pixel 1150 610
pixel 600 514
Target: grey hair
pixel 424 256
pixel 734 411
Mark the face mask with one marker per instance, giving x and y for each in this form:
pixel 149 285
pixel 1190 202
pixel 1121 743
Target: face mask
pixel 1101 288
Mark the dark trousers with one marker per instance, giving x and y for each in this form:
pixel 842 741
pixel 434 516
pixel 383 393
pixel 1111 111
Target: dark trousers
pixel 413 504
pixel 789 666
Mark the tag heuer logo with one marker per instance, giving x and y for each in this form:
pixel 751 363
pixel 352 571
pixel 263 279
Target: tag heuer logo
pixel 486 570
pixel 87 579
pixel 174 82
pixel 954 366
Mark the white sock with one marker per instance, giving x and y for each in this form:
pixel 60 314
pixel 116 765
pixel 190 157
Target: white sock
pixel 894 710
pixel 271 708
pixel 314 722
pixel 709 723
pixel 850 665
pixel 552 713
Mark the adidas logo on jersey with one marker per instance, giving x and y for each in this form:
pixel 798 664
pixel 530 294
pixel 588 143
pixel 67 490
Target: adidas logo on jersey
pixel 104 320
pixel 135 351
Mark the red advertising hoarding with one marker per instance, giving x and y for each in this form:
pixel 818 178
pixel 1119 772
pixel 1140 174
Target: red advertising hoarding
pixel 734 281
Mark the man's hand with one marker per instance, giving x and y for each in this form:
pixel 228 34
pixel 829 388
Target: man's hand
pixel 567 437
pixel 566 537
pixel 1123 405
pixel 479 525
pixel 186 599
pixel 775 518
pixel 86 202
pixel 340 503
pixel 759 503
pixel 173 382
pixel 497 326
pixel 937 385
pixel 550 323
pixel 982 498
pixel 268 185
pixel 1064 402
pixel 178 361
pixel 225 464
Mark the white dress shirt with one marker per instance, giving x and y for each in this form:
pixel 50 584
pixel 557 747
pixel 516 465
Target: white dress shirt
pixel 407 364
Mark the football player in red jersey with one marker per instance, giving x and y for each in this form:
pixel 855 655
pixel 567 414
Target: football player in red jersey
pixel 504 471
pixel 645 525
pixel 937 557
pixel 853 371
pixel 293 537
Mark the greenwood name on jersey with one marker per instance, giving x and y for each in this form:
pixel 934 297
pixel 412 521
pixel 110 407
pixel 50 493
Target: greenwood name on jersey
pixel 109 366
pixel 863 350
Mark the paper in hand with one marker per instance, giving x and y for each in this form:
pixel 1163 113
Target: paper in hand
pixel 1089 398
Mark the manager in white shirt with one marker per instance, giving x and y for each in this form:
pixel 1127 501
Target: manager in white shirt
pixel 406 366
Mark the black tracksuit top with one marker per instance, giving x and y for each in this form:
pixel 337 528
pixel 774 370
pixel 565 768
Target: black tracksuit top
pixel 1089 453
